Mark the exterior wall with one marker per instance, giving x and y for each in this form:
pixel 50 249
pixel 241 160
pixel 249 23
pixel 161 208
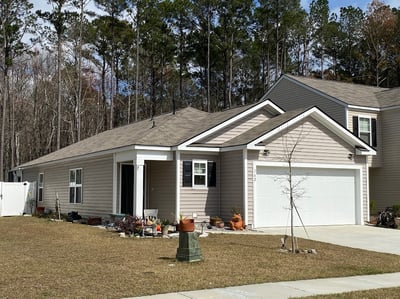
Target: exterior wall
pixel 97 182
pixel 317 145
pixel 202 201
pixel 373 161
pixel 238 127
pixel 30 175
pixel 161 188
pixel 231 183
pixel 385 181
pixel 289 95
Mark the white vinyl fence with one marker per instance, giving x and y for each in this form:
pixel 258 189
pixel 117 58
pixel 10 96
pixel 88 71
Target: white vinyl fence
pixel 17 198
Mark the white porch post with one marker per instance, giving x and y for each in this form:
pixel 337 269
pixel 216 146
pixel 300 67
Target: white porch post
pixel 115 189
pixel 178 186
pixel 245 188
pixel 138 190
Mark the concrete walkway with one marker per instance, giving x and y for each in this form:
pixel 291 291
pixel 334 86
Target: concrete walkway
pixel 366 237
pixel 289 289
pixel 356 236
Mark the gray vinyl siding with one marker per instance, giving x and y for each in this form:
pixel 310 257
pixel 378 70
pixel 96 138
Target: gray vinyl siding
pixel 162 188
pixel 373 161
pixel 238 127
pixel 30 175
pixel 202 201
pixel 231 183
pixel 317 145
pixel 97 178
pixel 385 181
pixel 290 95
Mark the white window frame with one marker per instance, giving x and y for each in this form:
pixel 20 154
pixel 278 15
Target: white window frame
pixel 40 186
pixel 76 186
pixel 365 132
pixel 194 174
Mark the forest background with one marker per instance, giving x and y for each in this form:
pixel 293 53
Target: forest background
pixel 68 73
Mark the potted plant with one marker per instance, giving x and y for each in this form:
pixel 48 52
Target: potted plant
pixel 165 223
pixel 216 221
pixel 236 222
pixel 186 224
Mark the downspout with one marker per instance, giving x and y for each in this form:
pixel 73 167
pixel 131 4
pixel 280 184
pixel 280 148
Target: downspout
pixel 245 188
pixel 177 186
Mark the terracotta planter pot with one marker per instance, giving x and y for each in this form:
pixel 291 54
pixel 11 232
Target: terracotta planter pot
pixel 214 221
pixel 220 224
pixel 236 222
pixel 186 225
pixel 39 210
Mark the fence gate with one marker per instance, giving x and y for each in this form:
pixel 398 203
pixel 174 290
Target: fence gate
pixel 16 198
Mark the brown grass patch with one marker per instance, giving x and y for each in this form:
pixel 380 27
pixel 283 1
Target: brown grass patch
pixel 44 259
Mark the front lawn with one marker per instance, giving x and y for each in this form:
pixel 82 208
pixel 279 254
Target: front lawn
pixel 40 258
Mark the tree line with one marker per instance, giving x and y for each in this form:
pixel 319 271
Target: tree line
pixel 69 73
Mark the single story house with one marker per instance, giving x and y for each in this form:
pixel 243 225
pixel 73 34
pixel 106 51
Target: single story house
pixel 371 113
pixel 203 164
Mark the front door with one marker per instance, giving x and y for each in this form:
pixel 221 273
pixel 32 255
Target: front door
pixel 127 186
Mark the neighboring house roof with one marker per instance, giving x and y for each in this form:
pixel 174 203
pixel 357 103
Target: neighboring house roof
pixel 352 94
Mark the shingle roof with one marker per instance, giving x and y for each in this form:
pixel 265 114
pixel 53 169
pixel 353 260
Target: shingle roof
pixel 259 130
pixel 169 130
pixel 354 94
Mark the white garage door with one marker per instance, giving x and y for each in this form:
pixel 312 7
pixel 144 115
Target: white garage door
pixel 322 196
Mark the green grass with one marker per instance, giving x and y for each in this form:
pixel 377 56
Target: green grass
pixel 44 259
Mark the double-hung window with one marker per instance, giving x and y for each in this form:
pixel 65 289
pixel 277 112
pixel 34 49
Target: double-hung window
pixel 199 173
pixel 40 186
pixel 365 129
pixel 75 185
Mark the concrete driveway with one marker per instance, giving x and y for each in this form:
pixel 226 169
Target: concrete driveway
pixel 357 236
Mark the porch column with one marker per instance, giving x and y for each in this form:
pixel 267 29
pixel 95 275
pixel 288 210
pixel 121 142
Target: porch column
pixel 115 181
pixel 138 190
pixel 177 186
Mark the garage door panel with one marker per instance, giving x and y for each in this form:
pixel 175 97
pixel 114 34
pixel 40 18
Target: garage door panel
pixel 322 196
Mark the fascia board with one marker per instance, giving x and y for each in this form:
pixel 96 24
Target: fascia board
pixel 390 108
pixel 364 108
pixel 199 149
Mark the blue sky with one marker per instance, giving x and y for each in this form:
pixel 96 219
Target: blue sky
pixel 334 4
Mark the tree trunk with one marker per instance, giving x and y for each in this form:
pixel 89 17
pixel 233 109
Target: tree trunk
pixel 137 66
pixel 59 52
pixel 79 97
pixel 208 58
pixel 3 124
pixel 230 72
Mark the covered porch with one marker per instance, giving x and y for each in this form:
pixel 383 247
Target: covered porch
pixel 146 179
